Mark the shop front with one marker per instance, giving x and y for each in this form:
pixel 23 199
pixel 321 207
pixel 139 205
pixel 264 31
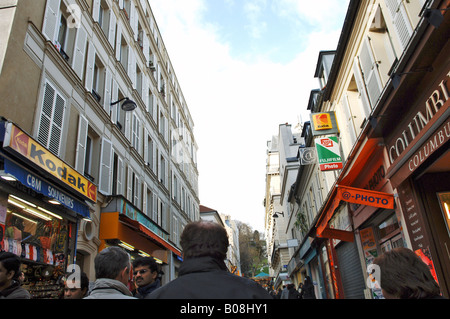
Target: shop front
pixel 39 215
pixel 123 225
pixel 360 198
pixel 420 171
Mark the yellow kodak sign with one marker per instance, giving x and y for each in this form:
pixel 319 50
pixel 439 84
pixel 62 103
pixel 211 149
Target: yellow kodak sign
pixel 322 121
pixel 23 144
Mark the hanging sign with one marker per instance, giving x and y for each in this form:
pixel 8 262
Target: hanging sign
pixel 328 153
pixel 324 123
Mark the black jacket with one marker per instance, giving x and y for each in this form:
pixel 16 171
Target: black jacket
pixel 208 278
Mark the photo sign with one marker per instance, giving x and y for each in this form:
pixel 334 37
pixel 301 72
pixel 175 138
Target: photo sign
pixel 328 153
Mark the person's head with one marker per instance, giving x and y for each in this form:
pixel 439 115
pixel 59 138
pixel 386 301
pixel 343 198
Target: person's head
pixel 74 289
pixel 204 238
pixel 145 271
pixel 403 275
pixel 113 263
pixel 9 268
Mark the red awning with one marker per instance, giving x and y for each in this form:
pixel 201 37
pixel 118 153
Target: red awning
pixel 141 228
pixel 343 191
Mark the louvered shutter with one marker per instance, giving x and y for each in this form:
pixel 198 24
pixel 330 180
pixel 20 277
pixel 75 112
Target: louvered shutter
pixel 80 157
pixel 80 51
pixel 107 93
pixel 105 167
pixel 365 104
pixel 51 16
pixel 401 22
pixel 120 169
pixel 371 76
pixel 90 67
pixel 112 28
pixel 130 184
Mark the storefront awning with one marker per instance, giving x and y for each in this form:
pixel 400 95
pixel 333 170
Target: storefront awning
pixel 343 191
pixel 116 226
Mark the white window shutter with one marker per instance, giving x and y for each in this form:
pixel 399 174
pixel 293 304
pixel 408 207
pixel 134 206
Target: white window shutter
pixel 107 93
pixel 112 28
pixel 146 48
pixel 349 119
pixel 144 198
pixel 155 208
pixel 146 145
pixel 114 98
pixel 130 184
pixel 80 157
pixel 119 181
pixel 95 10
pixel 90 67
pixel 79 52
pixel 371 76
pixel 401 22
pixel 118 40
pixel 105 167
pixel 51 22
pixel 361 88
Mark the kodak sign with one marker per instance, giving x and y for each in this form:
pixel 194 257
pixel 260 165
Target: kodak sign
pixel 34 152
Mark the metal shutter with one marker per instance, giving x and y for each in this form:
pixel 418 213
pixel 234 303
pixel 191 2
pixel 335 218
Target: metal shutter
pixel 351 272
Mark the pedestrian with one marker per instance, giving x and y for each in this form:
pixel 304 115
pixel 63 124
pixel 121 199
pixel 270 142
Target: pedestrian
pixel 203 273
pixel 292 292
pixel 74 287
pixel 403 275
pixel 308 289
pixel 300 290
pixel 10 286
pixel 145 271
pixel 284 293
pixel 112 270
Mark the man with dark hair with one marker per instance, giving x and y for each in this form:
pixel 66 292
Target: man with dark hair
pixel 112 269
pixel 403 275
pixel 9 272
pixel 203 273
pixel 145 271
pixel 74 289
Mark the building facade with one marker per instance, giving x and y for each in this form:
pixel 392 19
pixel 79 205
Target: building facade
pixel 387 86
pixel 90 83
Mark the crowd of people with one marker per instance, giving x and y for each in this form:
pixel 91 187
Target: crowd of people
pixel 204 275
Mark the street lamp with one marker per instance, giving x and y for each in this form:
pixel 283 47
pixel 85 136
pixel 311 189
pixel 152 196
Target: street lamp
pixel 275 215
pixel 127 105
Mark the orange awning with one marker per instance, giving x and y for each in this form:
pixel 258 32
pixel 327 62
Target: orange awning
pixel 343 190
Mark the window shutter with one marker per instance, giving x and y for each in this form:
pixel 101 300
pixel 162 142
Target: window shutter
pixel 96 10
pixel 114 98
pixel 119 181
pixel 105 167
pixel 130 184
pixel 107 94
pixel 52 119
pixel 118 40
pixel 146 145
pixel 361 88
pixel 90 67
pixel 144 198
pixel 155 208
pixel 400 20
pixel 112 28
pixel 80 157
pixel 349 119
pixel 369 68
pixel 51 15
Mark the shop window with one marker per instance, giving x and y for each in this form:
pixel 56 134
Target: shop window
pixel 44 240
pixel 389 234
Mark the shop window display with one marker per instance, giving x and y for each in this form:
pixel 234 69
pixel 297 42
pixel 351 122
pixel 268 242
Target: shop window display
pixel 43 240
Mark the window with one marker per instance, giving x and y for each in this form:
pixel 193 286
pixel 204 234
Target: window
pixel 149 201
pixel 51 119
pixel 136 132
pixel 98 81
pixel 117 175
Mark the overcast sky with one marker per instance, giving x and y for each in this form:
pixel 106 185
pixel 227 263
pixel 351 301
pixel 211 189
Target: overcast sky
pixel 244 67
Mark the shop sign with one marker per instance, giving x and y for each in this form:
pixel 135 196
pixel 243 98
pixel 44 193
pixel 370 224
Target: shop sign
pixel 34 152
pixel 365 197
pixel 328 153
pixel 324 123
pixel 420 120
pixel 39 185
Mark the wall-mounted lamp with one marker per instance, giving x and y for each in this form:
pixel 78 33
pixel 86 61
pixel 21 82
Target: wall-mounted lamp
pixel 275 215
pixel 434 16
pixel 396 77
pixel 127 105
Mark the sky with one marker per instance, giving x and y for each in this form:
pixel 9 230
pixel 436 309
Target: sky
pixel 244 67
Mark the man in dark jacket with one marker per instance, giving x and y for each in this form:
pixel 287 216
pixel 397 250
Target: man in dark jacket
pixel 203 273
pixel 9 282
pixel 145 276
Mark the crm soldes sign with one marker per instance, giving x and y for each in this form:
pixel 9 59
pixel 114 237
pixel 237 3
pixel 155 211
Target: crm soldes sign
pixel 328 153
pixel 34 152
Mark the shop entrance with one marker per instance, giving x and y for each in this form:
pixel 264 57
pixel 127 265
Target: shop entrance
pixel 434 191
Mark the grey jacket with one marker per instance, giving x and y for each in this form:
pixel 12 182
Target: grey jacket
pixel 105 288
